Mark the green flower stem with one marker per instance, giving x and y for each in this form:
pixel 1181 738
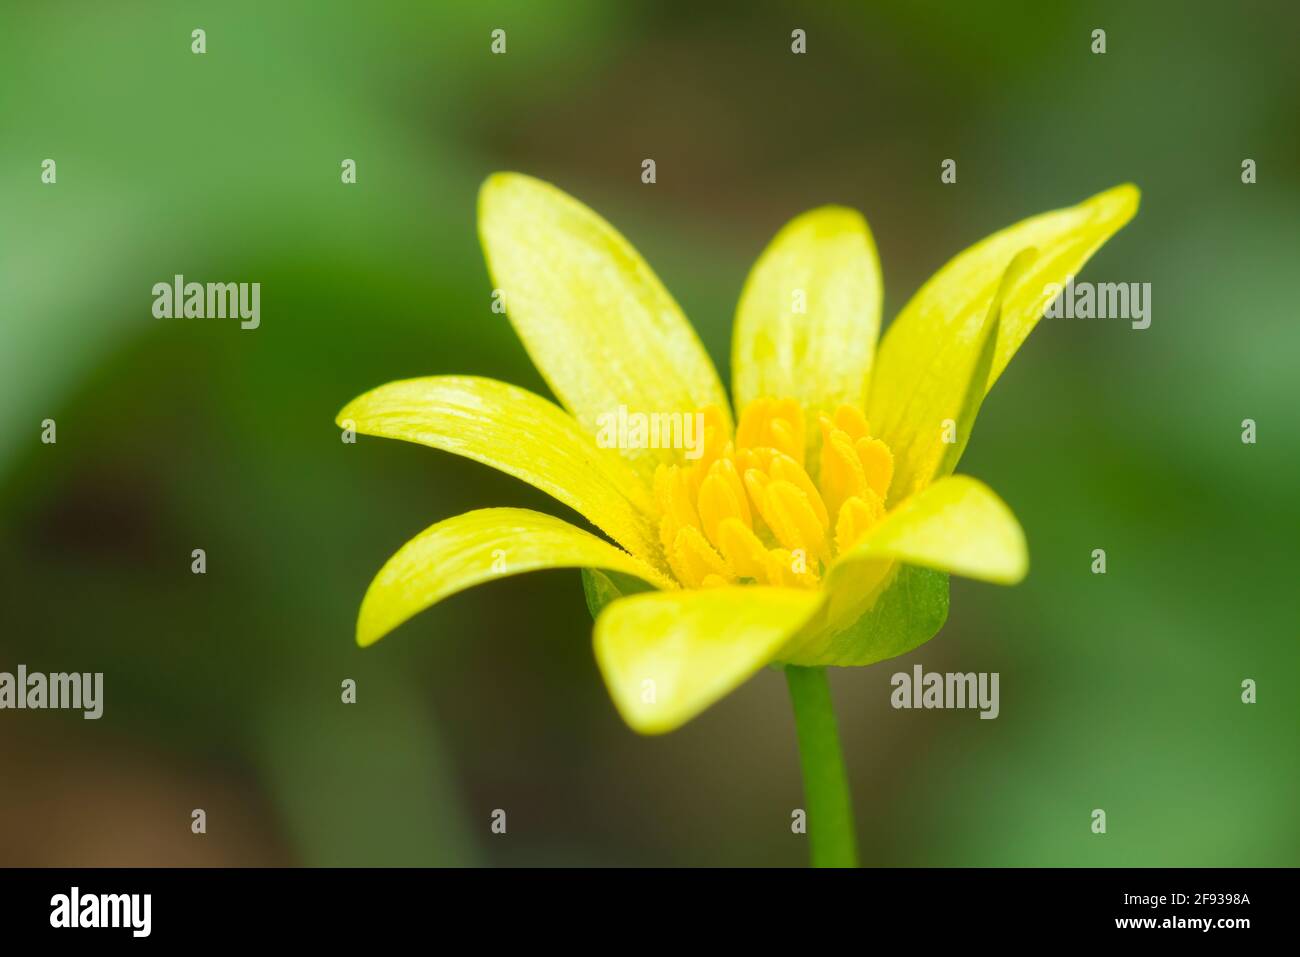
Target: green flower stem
pixel 825 784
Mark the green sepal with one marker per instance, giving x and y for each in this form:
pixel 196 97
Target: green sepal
pixel 602 587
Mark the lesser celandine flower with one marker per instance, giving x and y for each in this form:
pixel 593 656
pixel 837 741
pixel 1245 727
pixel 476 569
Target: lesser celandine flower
pixel 816 529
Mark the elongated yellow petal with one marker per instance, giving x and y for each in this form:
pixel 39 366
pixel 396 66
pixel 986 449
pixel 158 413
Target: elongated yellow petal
pixel 943 320
pixel 956 525
pixel 521 434
pixel 666 656
pixel 936 424
pixel 809 315
pixel 477 547
pixel 595 319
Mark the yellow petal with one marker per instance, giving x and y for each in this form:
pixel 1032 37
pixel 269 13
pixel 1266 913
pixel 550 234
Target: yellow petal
pixel 474 548
pixel 595 319
pixel 932 429
pixel 666 656
pixel 945 317
pixel 521 434
pixel 809 314
pixel 956 525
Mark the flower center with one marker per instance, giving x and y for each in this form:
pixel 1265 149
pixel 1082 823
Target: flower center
pixel 749 512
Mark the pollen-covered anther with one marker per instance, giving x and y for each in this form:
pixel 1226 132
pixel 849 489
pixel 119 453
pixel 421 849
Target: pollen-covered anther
pixel 676 504
pixel 856 517
pixel 850 420
pixel 693 559
pixel 785 469
pixel 878 464
pixel 743 550
pixel 851 460
pixel 715 444
pixel 842 474
pixel 721 496
pixel 791 517
pixel 772 424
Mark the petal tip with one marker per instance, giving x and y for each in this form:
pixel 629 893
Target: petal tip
pixel 834 214
pixel 366 636
pixel 1017 552
pixel 833 221
pixel 495 190
pixel 501 179
pixel 1119 202
pixel 503 183
pixel 368 630
pixel 647 725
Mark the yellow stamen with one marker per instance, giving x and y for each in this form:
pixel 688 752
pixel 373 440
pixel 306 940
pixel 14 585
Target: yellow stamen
pixel 842 475
pixel 851 420
pixel 877 463
pixel 676 506
pixel 791 517
pixel 773 424
pixel 748 511
pixel 857 516
pixel 786 469
pixel 716 445
pixel 742 549
pixel 692 559
pixel 721 497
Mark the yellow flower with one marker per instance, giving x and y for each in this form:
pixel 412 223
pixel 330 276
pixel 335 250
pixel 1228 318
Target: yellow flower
pixel 817 530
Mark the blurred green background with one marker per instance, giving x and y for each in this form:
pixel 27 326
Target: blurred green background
pixel 1119 692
